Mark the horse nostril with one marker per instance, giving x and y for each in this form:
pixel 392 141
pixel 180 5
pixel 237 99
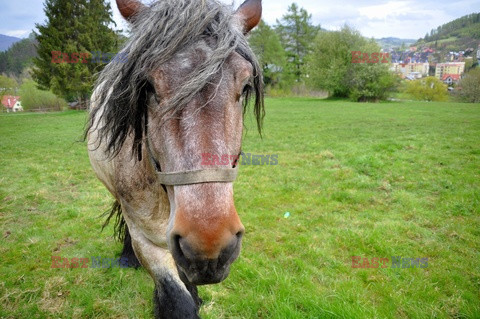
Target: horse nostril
pixel 240 234
pixel 231 251
pixel 186 250
pixel 177 251
pixel 176 242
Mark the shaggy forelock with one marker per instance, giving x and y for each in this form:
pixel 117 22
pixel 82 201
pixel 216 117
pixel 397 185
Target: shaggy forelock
pixel 159 32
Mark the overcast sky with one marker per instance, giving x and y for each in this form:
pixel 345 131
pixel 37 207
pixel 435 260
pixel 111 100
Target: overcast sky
pixel 374 18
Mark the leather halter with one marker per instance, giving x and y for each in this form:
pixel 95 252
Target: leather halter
pixel 188 177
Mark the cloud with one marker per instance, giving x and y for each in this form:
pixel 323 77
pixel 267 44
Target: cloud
pixel 380 18
pixel 389 9
pixel 335 13
pixel 16 33
pixel 404 19
pixel 373 18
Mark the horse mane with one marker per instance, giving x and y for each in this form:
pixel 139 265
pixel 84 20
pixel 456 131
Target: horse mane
pixel 158 33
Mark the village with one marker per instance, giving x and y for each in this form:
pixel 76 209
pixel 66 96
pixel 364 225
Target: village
pixel 416 63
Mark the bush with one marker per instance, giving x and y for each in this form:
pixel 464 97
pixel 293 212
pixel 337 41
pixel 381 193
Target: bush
pixel 331 67
pixel 34 99
pixel 427 89
pixel 372 83
pixel 274 92
pixel 469 87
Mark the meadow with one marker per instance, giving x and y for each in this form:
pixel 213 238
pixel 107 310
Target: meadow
pixel 368 180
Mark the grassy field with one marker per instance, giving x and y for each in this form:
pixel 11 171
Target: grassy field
pixel 369 180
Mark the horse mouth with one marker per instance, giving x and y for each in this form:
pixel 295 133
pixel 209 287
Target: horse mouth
pixel 203 271
pixel 206 276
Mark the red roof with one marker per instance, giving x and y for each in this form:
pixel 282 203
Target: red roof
pixel 455 77
pixel 9 100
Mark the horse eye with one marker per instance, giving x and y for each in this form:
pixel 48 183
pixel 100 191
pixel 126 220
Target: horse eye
pixel 247 88
pixel 151 89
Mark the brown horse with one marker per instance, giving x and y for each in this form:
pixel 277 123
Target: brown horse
pixel 182 92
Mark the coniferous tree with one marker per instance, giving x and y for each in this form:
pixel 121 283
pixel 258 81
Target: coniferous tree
pixel 73 27
pixel 297 34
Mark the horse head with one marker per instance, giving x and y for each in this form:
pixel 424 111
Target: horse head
pixel 181 94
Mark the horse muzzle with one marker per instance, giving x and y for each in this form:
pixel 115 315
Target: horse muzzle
pixel 207 233
pixel 197 267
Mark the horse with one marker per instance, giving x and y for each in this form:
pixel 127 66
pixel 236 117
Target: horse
pixel 181 92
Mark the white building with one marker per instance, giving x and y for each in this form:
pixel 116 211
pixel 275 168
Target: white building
pixel 414 70
pixel 12 103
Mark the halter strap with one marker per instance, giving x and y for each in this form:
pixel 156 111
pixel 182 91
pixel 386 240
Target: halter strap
pixel 209 175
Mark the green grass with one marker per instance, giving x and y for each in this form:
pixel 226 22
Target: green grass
pixel 442 41
pixel 370 180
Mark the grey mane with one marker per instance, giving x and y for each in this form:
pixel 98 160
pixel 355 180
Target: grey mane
pixel 158 33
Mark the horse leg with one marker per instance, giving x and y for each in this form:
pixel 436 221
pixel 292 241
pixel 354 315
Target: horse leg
pixel 173 300
pixel 173 297
pixel 122 233
pixel 127 252
pixel 192 289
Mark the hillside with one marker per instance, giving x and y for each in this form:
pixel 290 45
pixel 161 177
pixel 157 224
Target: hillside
pixel 18 56
pixel 7 41
pixel 390 42
pixel 456 35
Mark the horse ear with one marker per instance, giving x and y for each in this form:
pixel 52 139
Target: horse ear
pixel 128 8
pixel 250 12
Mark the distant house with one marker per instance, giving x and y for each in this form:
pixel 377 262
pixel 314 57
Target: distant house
pixel 451 68
pixel 12 103
pixel 415 70
pixel 416 75
pixel 451 78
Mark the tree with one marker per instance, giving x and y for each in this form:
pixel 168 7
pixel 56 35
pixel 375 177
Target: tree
pixel 427 89
pixel 470 87
pixel 332 69
pixel 8 86
pixel 468 63
pixel 266 45
pixel 73 26
pixel 296 34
